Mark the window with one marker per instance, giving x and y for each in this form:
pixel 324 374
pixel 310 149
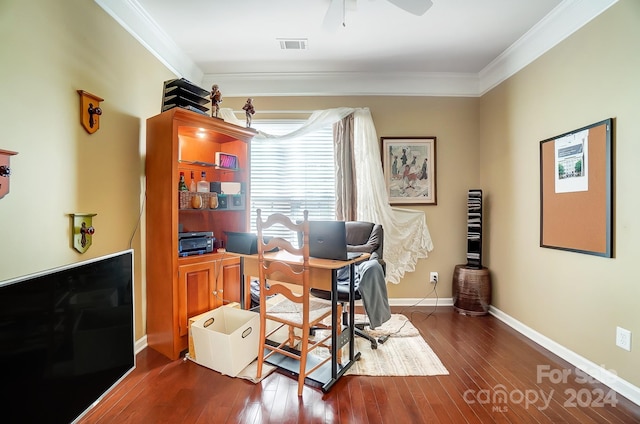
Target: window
pixel 294 175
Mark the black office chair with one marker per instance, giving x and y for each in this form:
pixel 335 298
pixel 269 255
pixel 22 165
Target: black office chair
pixel 361 237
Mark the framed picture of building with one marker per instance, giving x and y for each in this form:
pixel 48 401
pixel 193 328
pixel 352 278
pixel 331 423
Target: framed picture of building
pixel 409 165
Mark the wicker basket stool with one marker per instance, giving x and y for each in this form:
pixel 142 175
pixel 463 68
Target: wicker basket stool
pixel 471 290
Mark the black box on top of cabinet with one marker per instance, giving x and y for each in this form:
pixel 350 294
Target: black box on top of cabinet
pixel 183 93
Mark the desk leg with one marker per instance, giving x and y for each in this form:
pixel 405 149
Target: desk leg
pixel 243 286
pixel 334 324
pixel 352 311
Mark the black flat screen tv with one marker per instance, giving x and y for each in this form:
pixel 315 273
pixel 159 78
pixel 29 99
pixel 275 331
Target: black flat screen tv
pixel 66 338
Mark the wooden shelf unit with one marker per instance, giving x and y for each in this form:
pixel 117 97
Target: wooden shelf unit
pixel 181 287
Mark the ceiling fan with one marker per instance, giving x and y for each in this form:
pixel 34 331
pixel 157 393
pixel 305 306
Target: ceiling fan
pixel 337 8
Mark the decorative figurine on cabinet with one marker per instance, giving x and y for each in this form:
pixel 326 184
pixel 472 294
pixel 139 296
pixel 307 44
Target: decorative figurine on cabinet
pixel 216 99
pixel 249 110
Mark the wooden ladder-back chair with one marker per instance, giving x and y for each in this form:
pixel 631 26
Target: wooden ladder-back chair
pixel 296 310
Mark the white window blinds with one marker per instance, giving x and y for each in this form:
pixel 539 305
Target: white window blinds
pixel 291 176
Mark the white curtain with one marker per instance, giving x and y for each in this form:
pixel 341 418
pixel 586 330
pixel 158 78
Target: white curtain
pixel 406 235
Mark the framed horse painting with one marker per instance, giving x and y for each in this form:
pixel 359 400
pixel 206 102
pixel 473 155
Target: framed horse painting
pixel 409 165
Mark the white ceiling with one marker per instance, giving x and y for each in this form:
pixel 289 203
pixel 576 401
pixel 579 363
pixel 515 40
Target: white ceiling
pixel 458 47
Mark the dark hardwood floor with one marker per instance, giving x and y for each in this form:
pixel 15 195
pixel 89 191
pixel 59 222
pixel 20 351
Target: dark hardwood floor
pixel 496 376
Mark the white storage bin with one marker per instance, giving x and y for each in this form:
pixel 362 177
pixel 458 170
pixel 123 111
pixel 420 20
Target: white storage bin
pixel 226 339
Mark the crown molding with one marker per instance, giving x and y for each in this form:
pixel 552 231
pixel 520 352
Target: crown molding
pixel 564 20
pixel 567 18
pixel 137 22
pixel 345 84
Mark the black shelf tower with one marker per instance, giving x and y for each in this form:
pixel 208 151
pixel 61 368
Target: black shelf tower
pixel 474 229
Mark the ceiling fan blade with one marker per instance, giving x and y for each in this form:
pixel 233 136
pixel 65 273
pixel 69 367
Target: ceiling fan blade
pixel 334 17
pixel 416 7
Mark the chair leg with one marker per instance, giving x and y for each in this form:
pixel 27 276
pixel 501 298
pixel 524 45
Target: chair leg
pixel 303 359
pixel 359 329
pixel 292 337
pixel 260 361
pixel 261 347
pixel 365 335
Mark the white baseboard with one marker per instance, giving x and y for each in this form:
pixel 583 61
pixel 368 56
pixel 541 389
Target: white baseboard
pixel 425 301
pixel 140 344
pixel 598 372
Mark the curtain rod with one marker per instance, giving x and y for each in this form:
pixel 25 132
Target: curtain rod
pixel 277 111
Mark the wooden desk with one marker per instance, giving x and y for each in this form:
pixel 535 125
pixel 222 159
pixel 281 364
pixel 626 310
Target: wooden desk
pixel 323 274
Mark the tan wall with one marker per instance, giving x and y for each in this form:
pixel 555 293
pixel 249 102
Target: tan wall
pixel 61 169
pixel 454 122
pixel 574 299
pixel 49 50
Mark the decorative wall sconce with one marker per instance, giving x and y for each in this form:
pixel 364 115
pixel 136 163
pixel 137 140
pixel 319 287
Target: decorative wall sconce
pixel 5 171
pixel 90 111
pixel 82 231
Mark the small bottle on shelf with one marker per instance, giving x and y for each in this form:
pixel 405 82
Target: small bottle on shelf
pixel 203 184
pixel 192 186
pixel 182 186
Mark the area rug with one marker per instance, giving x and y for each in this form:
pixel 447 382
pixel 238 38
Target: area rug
pixel 404 353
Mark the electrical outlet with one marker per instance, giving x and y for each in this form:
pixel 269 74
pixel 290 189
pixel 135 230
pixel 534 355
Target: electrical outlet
pixel 623 338
pixel 433 277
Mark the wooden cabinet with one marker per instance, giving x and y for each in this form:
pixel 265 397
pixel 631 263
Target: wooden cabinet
pixel 178 287
pixel 204 285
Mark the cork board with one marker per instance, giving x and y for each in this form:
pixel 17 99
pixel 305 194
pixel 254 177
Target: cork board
pixel 576 190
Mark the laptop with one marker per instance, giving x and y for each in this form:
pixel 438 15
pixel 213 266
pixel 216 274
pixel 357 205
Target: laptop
pixel 328 240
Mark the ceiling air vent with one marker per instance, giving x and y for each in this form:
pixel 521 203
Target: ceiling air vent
pixel 293 43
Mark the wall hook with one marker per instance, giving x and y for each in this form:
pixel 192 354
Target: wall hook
pixel 93 111
pixel 82 230
pixel 5 171
pixel 90 111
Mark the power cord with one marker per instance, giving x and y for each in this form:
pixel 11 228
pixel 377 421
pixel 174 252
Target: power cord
pixel 135 228
pixel 384 338
pixel 216 292
pixel 217 279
